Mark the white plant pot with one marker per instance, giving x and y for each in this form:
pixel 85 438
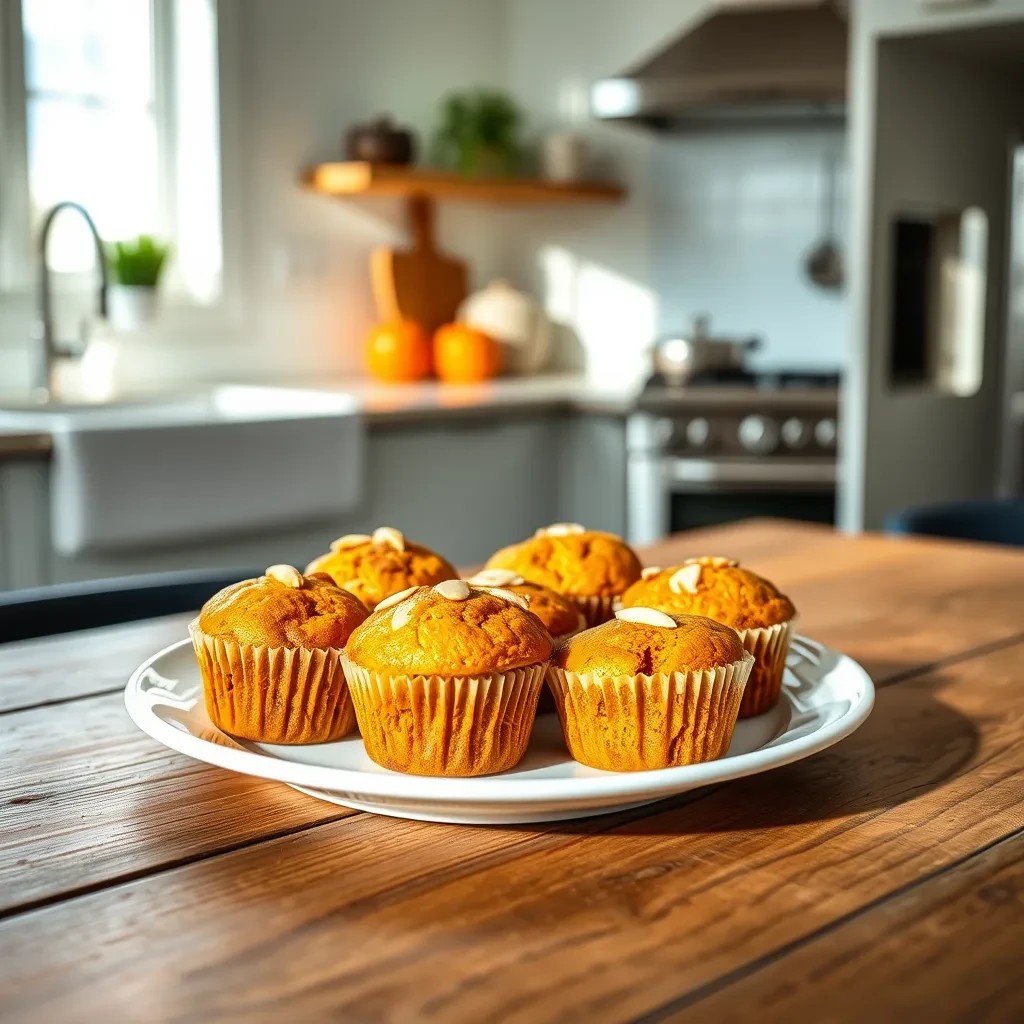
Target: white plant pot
pixel 131 306
pixel 563 156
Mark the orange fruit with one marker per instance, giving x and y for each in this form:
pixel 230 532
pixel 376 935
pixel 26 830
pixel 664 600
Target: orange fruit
pixel 462 354
pixel 398 350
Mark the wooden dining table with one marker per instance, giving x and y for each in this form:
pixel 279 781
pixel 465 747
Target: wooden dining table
pixel 881 879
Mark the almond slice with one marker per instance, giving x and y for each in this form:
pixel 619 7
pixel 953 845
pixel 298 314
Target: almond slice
pixel 686 578
pixel 496 578
pixel 651 570
pixel 391 601
pixel 286 574
pixel 520 599
pixel 389 535
pixel 350 540
pixel 560 530
pixel 402 615
pixel 454 590
pixel 648 616
pixel 715 561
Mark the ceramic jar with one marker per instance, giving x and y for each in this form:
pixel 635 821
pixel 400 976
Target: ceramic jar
pixel 515 321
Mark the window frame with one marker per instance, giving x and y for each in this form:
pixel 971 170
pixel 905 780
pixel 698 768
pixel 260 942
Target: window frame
pixel 18 255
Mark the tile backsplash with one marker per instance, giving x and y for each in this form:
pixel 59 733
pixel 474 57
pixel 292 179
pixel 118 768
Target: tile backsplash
pixel 736 216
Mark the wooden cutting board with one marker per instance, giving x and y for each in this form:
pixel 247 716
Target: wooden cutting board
pixel 419 283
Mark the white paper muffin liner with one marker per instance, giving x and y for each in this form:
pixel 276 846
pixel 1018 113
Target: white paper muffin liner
pixel 446 725
pixel 637 723
pixel 273 694
pixel 770 646
pixel 595 609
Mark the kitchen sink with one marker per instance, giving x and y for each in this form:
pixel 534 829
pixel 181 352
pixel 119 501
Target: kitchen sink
pixel 219 404
pixel 181 468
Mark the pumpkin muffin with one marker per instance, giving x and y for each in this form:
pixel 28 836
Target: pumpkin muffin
pixel 375 567
pixel 723 590
pixel 269 653
pixel 591 567
pixel 560 614
pixel 648 690
pixel 445 679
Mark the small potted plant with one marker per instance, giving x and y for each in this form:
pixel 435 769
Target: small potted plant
pixel 478 133
pixel 135 268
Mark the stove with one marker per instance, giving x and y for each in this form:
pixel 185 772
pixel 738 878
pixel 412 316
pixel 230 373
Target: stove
pixel 763 379
pixel 730 445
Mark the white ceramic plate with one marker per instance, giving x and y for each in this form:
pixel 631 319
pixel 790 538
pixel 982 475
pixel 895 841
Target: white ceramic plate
pixel 825 697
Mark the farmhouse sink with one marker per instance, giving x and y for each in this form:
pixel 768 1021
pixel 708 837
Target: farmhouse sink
pixel 228 460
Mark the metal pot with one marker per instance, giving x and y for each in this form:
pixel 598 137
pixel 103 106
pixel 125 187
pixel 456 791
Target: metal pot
pixel 679 357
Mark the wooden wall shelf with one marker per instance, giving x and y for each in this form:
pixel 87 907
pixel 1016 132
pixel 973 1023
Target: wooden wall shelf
pixel 363 179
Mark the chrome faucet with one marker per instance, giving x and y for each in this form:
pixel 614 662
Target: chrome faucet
pixel 50 350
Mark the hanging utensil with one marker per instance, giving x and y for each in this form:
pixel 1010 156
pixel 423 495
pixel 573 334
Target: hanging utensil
pixel 824 263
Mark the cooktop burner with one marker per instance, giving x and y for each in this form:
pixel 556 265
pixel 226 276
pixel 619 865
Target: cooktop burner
pixel 767 379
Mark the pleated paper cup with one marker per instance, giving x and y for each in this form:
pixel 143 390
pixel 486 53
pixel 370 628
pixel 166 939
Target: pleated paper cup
pixel 638 723
pixel 770 646
pixel 595 609
pixel 546 704
pixel 454 726
pixel 273 694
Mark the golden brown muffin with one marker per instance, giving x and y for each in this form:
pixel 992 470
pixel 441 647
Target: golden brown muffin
pixel 559 614
pixel 376 567
pixel 625 648
pixel 269 652
pixel 445 679
pixel 648 690
pixel 266 612
pixel 591 567
pixel 717 587
pixel 723 590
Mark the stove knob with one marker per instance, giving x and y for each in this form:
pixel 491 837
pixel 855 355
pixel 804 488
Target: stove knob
pixel 825 433
pixel 758 434
pixel 698 432
pixel 795 433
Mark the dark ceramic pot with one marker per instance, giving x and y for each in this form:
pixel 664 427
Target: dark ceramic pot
pixel 380 142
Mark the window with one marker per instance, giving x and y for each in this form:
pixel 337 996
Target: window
pixel 119 107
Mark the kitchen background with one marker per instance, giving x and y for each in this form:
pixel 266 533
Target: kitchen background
pixel 269 280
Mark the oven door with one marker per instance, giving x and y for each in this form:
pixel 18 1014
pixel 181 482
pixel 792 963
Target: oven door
pixel 672 493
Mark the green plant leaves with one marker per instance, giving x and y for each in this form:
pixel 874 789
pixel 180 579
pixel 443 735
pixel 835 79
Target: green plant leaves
pixel 478 132
pixel 137 261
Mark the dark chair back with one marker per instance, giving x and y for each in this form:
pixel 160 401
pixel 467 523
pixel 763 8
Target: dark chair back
pixel 41 611
pixel 992 521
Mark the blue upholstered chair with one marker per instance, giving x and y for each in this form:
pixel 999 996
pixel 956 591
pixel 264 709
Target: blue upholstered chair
pixel 64 607
pixel 992 521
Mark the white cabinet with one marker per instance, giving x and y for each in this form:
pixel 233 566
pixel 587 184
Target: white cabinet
pixel 462 486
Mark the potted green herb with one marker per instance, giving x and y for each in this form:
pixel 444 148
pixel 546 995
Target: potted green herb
pixel 478 133
pixel 135 268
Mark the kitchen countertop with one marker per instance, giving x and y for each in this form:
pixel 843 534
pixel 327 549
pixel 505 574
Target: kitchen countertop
pixel 432 400
pixel 429 401
pixel 136 883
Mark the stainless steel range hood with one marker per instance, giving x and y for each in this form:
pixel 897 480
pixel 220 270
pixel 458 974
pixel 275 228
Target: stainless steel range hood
pixel 778 62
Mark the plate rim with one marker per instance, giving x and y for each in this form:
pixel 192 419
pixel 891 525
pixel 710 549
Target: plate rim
pixel 502 788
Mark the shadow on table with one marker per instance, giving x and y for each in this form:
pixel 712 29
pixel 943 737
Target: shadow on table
pixel 911 744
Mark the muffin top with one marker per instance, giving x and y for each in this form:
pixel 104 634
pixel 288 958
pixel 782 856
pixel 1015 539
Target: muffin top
pixel 714 586
pixel 283 608
pixel 558 613
pixel 567 558
pixel 451 629
pixel 376 567
pixel 645 641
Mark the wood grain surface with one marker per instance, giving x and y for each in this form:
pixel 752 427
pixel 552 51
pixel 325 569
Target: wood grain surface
pixel 878 879
pixel 50 670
